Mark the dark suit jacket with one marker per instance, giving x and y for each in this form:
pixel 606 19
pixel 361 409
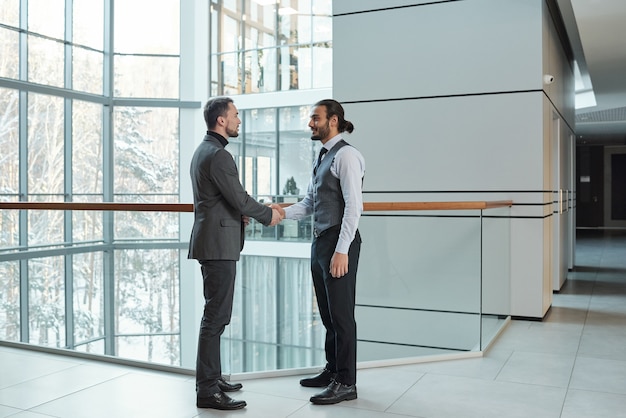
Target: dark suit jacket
pixel 219 203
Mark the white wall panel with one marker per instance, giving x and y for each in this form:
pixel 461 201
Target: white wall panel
pixel 472 46
pixel 460 143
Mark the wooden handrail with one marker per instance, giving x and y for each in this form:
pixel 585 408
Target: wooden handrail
pixel 188 207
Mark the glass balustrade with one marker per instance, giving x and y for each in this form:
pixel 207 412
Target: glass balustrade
pixel 431 283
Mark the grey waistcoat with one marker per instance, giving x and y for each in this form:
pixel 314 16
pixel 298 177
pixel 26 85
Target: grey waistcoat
pixel 328 203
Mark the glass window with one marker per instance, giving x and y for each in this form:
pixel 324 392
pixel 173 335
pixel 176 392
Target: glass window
pixel 87 224
pixel 146 76
pixel 46 301
pixel 87 149
pixel 9 141
pixel 47 17
pixel 9 225
pixel 88 21
pixel 45 227
pixel 45 61
pixel 87 70
pixel 146 294
pixel 297 150
pixel 260 146
pixel 230 73
pixel 9 59
pixel 230 35
pixel 156 32
pixel 10 12
pixel 45 144
pixel 146 150
pixel 260 25
pixel 322 28
pixel 146 225
pixel 9 295
pixel 322 62
pixel 88 299
pixel 288 68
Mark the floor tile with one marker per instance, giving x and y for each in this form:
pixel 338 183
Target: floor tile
pixel 585 404
pixel 436 396
pixel 599 375
pixel 538 369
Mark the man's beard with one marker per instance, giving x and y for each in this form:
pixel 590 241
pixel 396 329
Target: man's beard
pixel 322 133
pixel 232 133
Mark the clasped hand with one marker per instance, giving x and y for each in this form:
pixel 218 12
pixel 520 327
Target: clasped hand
pixel 278 214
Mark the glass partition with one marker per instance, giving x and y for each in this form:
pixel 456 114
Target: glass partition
pixel 430 283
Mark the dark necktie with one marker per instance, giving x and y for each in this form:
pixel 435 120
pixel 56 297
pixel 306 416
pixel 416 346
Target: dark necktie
pixel 319 159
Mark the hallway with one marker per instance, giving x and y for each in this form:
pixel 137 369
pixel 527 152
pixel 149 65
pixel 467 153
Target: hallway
pixel 571 365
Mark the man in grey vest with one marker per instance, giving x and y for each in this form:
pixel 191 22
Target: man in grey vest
pixel 334 197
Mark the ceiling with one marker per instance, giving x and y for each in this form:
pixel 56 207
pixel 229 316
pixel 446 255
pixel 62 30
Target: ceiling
pixel 597 33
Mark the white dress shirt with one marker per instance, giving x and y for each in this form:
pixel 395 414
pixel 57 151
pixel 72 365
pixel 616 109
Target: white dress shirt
pixel 349 168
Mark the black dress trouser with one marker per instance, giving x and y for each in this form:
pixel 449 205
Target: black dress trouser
pixel 219 285
pixel 335 300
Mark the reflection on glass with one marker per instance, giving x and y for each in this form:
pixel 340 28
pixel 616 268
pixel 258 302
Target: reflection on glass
pixel 230 73
pixel 274 40
pixel 297 150
pixel 260 152
pixel 275 323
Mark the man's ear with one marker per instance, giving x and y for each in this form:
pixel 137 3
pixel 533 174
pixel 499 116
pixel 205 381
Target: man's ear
pixel 334 120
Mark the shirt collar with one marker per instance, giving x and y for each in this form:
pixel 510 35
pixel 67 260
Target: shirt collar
pixel 332 142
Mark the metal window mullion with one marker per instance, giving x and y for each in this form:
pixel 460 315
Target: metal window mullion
pixel 280 315
pixel 107 179
pixel 23 171
pixel 67 177
pixel 277 113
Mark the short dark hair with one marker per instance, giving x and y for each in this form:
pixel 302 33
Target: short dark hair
pixel 214 108
pixel 334 108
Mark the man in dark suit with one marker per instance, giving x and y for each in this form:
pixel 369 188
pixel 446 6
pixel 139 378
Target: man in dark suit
pixel 222 209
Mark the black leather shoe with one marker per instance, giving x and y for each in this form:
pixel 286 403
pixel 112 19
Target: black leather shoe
pixel 219 400
pixel 335 392
pixel 320 381
pixel 228 387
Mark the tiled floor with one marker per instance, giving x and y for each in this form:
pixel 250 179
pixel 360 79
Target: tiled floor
pixel 571 365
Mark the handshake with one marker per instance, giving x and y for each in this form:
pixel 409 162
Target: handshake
pixel 278 214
